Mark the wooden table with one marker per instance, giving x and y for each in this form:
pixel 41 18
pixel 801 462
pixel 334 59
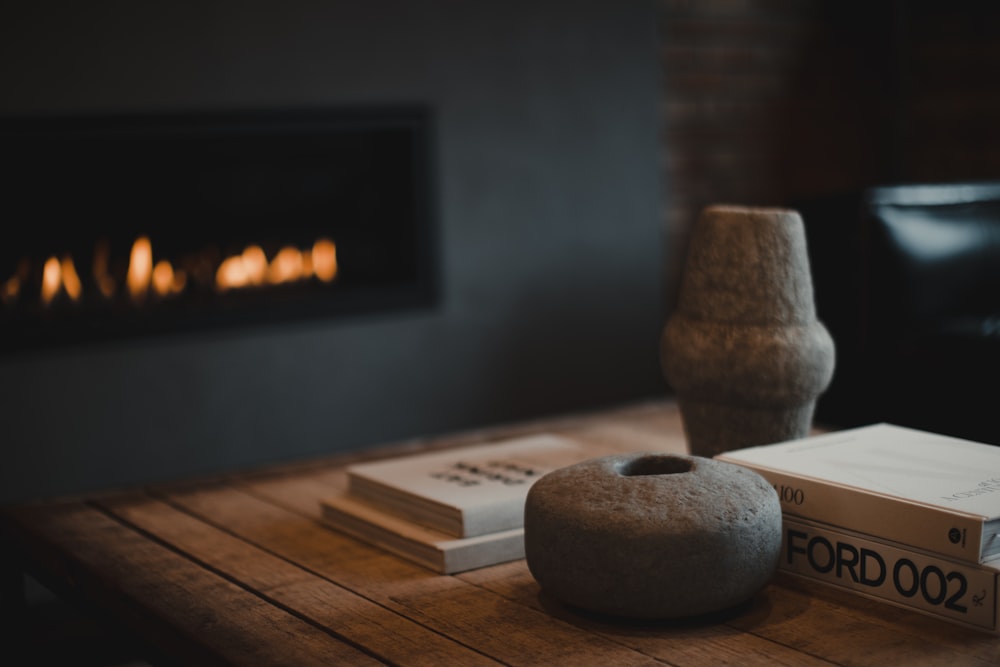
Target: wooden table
pixel 241 571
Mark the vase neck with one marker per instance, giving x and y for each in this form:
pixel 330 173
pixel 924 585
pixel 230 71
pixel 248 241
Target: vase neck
pixel 748 266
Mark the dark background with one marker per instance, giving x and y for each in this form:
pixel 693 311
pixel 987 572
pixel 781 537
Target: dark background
pixel 575 144
pixel 547 214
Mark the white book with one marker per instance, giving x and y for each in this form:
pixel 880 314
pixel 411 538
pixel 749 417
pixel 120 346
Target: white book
pixel 914 579
pixel 929 491
pixel 467 491
pixel 432 549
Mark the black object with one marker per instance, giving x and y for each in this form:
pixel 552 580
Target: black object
pixel 907 281
pixel 203 186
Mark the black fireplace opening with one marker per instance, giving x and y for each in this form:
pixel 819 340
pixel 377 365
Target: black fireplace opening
pixel 126 225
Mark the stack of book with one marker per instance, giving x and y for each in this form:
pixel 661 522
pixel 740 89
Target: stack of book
pixel 451 510
pixel 893 513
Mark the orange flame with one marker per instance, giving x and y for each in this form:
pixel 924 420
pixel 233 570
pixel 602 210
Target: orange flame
pixel 166 281
pixel 51 280
pixel 70 279
pixel 231 273
pixel 140 268
pixel 60 275
pixel 249 268
pixel 11 288
pixel 285 267
pixel 324 260
pixel 102 256
pixel 255 265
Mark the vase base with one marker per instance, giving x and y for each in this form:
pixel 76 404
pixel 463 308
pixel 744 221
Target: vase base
pixel 711 428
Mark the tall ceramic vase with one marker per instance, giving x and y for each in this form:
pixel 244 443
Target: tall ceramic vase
pixel 744 351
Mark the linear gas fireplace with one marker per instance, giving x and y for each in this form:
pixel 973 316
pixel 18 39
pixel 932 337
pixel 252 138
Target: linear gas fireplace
pixel 131 225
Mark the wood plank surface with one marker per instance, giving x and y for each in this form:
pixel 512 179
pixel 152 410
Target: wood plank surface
pixel 162 595
pixel 884 631
pixel 469 615
pixel 241 570
pixel 341 613
pixel 682 643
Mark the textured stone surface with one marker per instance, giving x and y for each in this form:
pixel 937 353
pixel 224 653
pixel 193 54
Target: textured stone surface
pixel 744 350
pixel 651 535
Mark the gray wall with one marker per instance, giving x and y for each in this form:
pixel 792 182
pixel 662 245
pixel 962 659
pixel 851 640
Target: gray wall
pixel 548 203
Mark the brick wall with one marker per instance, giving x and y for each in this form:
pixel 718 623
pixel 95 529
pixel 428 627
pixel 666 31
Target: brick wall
pixel 950 122
pixel 767 102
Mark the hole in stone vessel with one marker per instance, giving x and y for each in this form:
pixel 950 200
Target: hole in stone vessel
pixel 654 465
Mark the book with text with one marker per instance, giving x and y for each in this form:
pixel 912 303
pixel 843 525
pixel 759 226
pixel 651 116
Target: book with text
pixel 921 581
pixel 464 492
pixel 433 549
pixel 928 491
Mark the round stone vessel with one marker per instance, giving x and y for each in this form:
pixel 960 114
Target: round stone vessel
pixel 653 536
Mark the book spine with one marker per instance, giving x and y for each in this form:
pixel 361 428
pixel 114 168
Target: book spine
pixel 913 579
pixel 939 531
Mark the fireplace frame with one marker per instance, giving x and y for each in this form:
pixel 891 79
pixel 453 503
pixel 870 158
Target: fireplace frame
pixel 401 269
